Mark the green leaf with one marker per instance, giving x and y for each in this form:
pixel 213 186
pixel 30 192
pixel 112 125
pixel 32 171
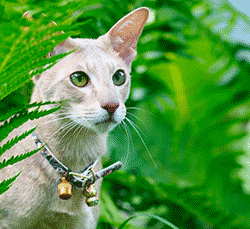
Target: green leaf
pixel 17 158
pixel 6 184
pixel 18 120
pixel 21 109
pixel 110 213
pixel 165 222
pixel 15 140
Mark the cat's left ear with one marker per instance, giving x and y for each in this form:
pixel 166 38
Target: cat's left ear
pixel 124 35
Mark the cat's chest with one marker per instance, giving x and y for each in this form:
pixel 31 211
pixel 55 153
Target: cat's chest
pixel 71 207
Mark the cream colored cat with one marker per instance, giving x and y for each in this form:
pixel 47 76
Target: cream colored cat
pixel 96 80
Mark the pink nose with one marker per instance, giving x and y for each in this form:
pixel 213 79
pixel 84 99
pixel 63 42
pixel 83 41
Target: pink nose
pixel 110 108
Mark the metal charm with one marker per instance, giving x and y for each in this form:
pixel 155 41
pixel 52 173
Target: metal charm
pixel 92 201
pixel 90 191
pixel 64 189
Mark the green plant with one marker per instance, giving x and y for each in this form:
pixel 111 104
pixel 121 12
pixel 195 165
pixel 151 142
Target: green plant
pixel 193 80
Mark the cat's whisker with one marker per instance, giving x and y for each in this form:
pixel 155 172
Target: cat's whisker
pixel 81 126
pixel 74 124
pixel 85 126
pixel 66 144
pixel 62 129
pixel 126 155
pixel 90 147
pixel 68 117
pixel 67 109
pixel 86 111
pixel 138 127
pixel 54 120
pixel 138 119
pixel 137 108
pixel 142 141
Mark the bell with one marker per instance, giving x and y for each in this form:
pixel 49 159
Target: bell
pixel 92 201
pixel 64 189
pixel 89 191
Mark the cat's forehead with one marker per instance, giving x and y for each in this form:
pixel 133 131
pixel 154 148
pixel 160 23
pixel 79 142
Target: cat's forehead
pixel 94 56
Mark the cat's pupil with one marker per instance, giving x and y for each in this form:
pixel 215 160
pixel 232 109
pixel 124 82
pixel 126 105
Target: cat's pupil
pixel 79 79
pixel 119 77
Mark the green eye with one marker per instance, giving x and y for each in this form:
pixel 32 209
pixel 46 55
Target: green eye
pixel 119 77
pixel 79 79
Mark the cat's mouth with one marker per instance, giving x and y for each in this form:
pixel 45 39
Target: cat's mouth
pixel 109 120
pixel 105 125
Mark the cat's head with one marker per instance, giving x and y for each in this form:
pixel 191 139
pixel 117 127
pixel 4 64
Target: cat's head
pixel 96 77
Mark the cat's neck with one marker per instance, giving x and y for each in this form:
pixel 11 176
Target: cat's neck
pixel 75 148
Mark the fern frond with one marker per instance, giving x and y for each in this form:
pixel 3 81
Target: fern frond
pixel 20 119
pixel 31 55
pixel 17 158
pixel 21 109
pixel 48 63
pixel 6 184
pixel 15 140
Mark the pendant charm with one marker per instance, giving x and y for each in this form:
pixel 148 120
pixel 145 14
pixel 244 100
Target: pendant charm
pixel 90 193
pixel 92 201
pixel 64 189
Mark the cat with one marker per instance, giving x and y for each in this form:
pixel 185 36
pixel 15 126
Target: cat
pixel 95 80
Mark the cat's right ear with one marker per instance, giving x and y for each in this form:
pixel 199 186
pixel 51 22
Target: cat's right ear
pixel 124 35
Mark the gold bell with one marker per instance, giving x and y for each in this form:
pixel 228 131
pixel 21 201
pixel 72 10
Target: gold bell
pixel 64 189
pixel 92 201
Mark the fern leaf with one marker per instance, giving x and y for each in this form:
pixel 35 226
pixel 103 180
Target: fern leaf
pixel 15 140
pixel 6 184
pixel 12 50
pixel 29 54
pixel 19 119
pixel 17 158
pixel 21 109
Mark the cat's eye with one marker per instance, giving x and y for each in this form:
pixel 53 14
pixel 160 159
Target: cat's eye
pixel 119 77
pixel 79 79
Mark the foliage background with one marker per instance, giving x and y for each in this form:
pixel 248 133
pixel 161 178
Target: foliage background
pixel 193 79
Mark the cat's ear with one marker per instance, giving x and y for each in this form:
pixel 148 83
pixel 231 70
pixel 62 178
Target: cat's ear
pixel 124 35
pixel 65 46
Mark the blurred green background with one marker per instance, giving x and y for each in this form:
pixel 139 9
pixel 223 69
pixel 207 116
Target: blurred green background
pixel 185 142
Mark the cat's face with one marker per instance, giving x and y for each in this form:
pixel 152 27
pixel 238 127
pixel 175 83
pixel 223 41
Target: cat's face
pixel 96 83
pixel 96 77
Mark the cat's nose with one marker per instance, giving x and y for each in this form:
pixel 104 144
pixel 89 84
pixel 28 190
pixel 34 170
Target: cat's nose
pixel 110 108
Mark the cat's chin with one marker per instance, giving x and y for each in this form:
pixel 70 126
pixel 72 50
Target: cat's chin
pixel 104 127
